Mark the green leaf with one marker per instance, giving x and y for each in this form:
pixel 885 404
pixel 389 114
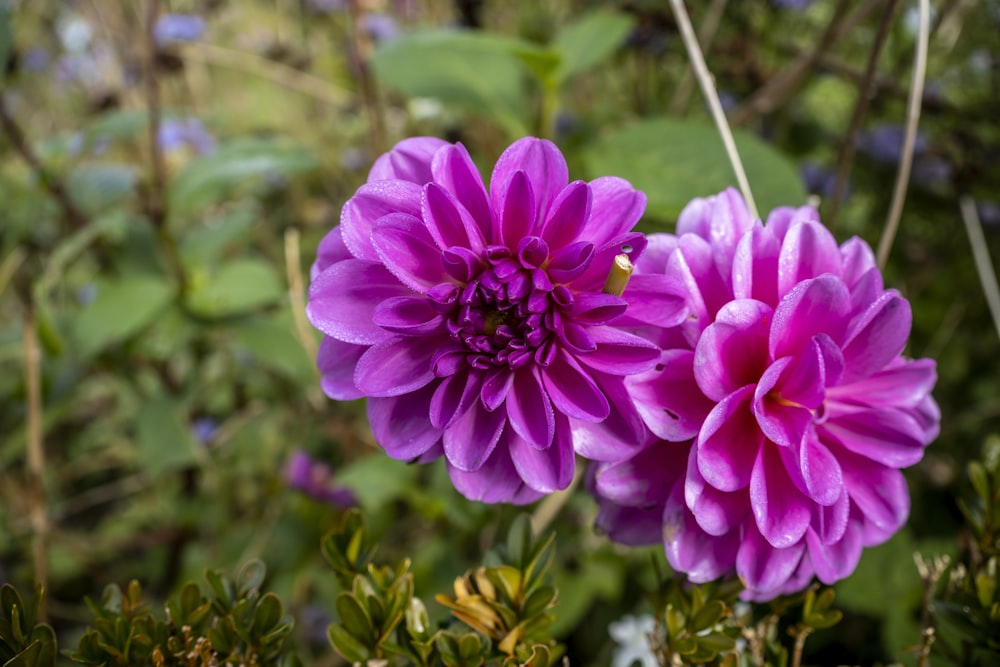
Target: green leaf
pixel 267 614
pixel 29 657
pixel 239 286
pixel 589 40
pixel 519 541
pixel 273 343
pixel 203 244
pixel 707 616
pixel 374 482
pixel 209 179
pixel 251 577
pixel 674 161
pixel 355 618
pixel 474 71
pixel 97 186
pixel 121 309
pixel 538 601
pixel 164 442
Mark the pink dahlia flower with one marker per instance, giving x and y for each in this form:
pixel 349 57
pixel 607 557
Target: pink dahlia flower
pixel 476 321
pixel 782 406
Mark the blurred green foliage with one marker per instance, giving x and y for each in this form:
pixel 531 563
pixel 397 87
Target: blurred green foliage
pixel 177 373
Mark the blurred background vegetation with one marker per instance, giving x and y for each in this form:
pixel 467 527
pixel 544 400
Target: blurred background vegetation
pixel 168 168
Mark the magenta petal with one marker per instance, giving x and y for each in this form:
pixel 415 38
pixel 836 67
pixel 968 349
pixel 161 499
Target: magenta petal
pixel 829 522
pixel 781 512
pixel 655 300
pixel 783 422
pixel 397 366
pixel 877 337
pixel 807 251
pixel 447 220
pixel 330 251
pixel 761 566
pixel 408 251
pixel 567 215
pixel 717 512
pixel 732 352
pixel 545 166
pixel 645 478
pixel 669 399
pixel 409 315
pixel 496 387
pixel 781 219
pixel 614 210
pixel 336 362
pixel 690 549
pixel 902 386
pixel 878 491
pixel 343 298
pixel 817 306
pixel 470 440
pixel 572 391
pixel 729 442
pixel 857 260
pixel 596 274
pixel 570 262
pixel 834 562
pixel 820 471
pixel 890 436
pixel 545 470
pixel 755 266
pixel 618 436
pixel 529 409
pixel 693 264
pixel 454 170
pixel 409 160
pixel 496 481
pixel 631 526
pixel 453 397
pixel 596 309
pixel 400 424
pixel 619 352
pixel 658 251
pixel 517 212
pixel 370 203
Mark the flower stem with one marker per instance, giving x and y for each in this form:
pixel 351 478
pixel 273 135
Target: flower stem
pixel 36 451
pixel 981 255
pixel 910 138
pixel 712 96
pixel 709 26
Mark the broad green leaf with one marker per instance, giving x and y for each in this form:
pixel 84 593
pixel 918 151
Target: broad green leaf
pixel 203 244
pixel 673 161
pixel 29 657
pixel 210 179
pixel 346 645
pixel 589 40
pixel 273 343
pixel 164 442
pixel 238 287
pixel 267 614
pixel 474 71
pixel 120 310
pixel 376 481
pixel 97 186
pixel 355 618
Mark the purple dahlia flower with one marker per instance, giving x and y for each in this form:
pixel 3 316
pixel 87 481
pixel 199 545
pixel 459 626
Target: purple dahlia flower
pixel 476 321
pixel 782 406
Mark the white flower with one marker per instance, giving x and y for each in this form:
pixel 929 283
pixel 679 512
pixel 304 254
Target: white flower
pixel 632 636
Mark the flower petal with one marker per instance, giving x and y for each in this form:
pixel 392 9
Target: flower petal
pixel 689 549
pixel 644 479
pixel 336 361
pixel 330 251
pixel 618 436
pixel 656 300
pixel 857 260
pixel 619 352
pixel 596 309
pixel 572 391
pixel 397 366
pixel 732 352
pixel 782 420
pixel 496 481
pixel 470 440
pixel 631 526
pixel 453 397
pixel 406 248
pixel 447 220
pixel 902 386
pixel 755 266
pixel 890 436
pixel 781 512
pixel 729 441
pixel 567 215
pixel 807 251
pixel 717 512
pixel 761 566
pixel 529 409
pixel 668 398
pixel 836 561
pixel 517 211
pixel 370 203
pixel 545 470
pixel 614 210
pixel 400 424
pixel 821 473
pixel 878 491
pixel 409 315
pixel 877 337
pixel 545 166
pixel 409 160
pixel 343 298
pixel 455 171
pixel 817 306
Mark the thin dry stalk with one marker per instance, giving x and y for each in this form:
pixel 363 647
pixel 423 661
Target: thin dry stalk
pixel 36 453
pixel 910 138
pixel 864 95
pixel 362 44
pixel 709 26
pixel 712 97
pixel 158 171
pixel 981 255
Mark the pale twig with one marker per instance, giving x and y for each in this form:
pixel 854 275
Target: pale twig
pixel 981 255
pixel 712 97
pixel 800 644
pixel 11 263
pixel 864 95
pixel 283 75
pixel 709 26
pixel 36 452
pixel 910 138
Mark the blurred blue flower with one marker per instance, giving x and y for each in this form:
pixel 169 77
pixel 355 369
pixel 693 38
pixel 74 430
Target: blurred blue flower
pixel 86 294
pixel 820 180
pixel 932 171
pixel 171 28
pixel 180 133
pixel 204 429
pixel 884 143
pixel 353 159
pixel 327 6
pixel 315 479
pixel 36 59
pixel 989 213
pixel 381 27
pixel 794 5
